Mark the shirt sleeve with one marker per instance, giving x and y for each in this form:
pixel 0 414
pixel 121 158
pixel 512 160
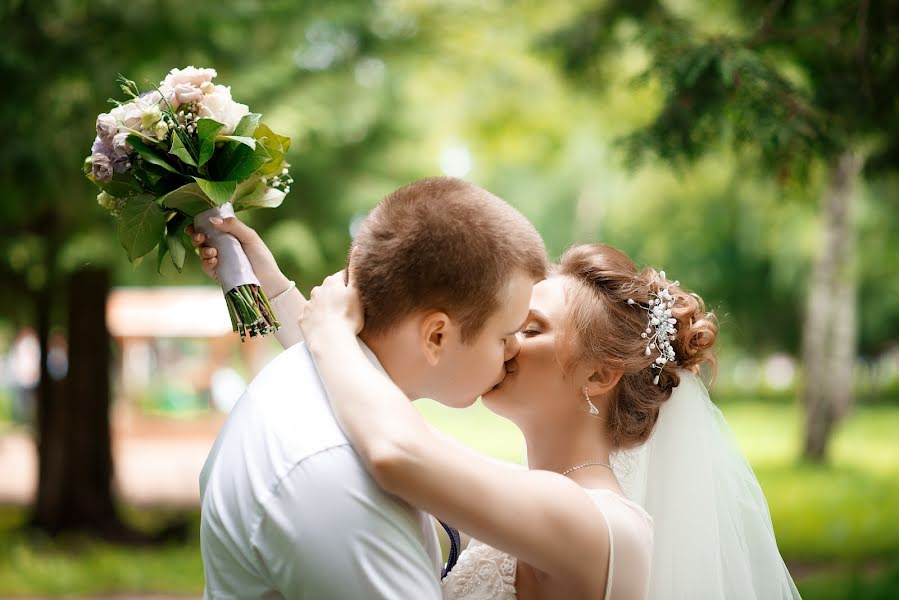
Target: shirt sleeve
pixel 288 308
pixel 328 531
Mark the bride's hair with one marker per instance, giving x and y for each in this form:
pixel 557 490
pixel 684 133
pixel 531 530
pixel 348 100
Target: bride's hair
pixel 605 329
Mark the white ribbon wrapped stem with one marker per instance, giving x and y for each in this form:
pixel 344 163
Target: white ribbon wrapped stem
pixel 233 265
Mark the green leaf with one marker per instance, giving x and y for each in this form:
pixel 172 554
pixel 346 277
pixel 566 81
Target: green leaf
pixel 163 249
pixel 217 191
pixel 246 141
pixel 141 226
pixel 246 191
pixel 173 235
pixel 276 146
pixel 247 125
pixel 246 162
pixel 121 185
pixel 207 129
pixel 176 249
pixel 259 196
pixel 181 151
pixel 235 150
pixel 150 154
pixel 188 199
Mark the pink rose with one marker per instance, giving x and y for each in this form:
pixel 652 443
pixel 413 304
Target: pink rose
pixel 186 93
pixel 169 94
pixel 190 75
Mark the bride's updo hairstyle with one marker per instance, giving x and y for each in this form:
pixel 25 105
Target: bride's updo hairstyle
pixel 603 328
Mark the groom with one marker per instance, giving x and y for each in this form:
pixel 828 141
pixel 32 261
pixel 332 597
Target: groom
pixel 288 510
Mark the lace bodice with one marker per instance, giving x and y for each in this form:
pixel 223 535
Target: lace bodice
pixel 485 573
pixel 482 573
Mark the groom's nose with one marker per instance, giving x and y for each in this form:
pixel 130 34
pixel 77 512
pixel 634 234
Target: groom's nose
pixel 513 346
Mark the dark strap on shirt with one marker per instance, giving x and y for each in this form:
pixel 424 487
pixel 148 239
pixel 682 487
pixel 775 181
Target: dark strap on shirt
pixel 454 551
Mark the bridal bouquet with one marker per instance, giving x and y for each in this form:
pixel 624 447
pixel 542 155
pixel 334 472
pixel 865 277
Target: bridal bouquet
pixel 186 151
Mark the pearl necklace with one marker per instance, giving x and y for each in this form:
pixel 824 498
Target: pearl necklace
pixel 587 464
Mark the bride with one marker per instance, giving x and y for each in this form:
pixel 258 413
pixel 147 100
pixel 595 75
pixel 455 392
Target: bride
pixel 634 489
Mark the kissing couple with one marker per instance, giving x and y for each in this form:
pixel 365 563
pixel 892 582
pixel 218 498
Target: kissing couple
pixel 322 482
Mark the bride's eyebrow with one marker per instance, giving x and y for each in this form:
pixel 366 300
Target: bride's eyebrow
pixel 536 314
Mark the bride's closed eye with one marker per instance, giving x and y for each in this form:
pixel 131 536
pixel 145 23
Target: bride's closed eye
pixel 530 331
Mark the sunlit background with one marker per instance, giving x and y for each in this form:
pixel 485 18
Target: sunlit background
pixel 748 148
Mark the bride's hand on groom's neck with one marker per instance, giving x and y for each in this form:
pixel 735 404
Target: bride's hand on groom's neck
pixel 334 308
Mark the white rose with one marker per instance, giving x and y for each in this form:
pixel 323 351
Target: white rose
pixel 186 93
pixel 219 106
pixel 128 114
pixel 190 75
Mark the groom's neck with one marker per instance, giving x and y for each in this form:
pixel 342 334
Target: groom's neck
pixel 384 347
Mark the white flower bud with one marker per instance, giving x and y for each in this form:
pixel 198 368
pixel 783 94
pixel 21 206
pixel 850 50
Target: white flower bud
pixel 162 130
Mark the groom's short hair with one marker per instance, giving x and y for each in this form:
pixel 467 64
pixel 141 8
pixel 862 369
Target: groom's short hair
pixel 441 243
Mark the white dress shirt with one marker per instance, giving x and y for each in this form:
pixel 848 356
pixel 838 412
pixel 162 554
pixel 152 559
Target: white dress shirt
pixel 288 510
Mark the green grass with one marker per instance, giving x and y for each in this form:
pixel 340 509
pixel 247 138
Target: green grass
pixel 34 565
pixel 837 526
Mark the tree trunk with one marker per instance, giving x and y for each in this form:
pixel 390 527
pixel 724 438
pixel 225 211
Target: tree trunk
pixel 829 332
pixel 75 484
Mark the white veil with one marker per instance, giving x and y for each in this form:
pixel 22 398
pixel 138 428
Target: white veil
pixel 713 532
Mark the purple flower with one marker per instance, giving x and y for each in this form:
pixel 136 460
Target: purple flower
pixel 101 147
pixel 101 167
pixel 107 127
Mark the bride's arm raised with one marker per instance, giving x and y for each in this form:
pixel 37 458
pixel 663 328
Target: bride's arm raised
pixel 285 298
pixel 540 517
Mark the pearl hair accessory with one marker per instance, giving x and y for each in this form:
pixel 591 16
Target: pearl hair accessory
pixel 660 329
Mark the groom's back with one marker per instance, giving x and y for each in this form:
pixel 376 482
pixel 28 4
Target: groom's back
pixel 289 511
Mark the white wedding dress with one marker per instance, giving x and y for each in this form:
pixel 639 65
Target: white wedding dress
pixel 485 573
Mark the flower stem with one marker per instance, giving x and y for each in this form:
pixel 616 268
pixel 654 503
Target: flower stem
pixel 250 311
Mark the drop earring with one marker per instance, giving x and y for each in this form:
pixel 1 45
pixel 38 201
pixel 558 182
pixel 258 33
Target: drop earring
pixel 593 409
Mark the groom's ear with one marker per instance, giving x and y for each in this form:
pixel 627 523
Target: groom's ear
pixel 602 380
pixel 434 329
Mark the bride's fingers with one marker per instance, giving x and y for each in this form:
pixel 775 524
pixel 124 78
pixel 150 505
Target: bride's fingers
pixel 197 239
pixel 208 266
